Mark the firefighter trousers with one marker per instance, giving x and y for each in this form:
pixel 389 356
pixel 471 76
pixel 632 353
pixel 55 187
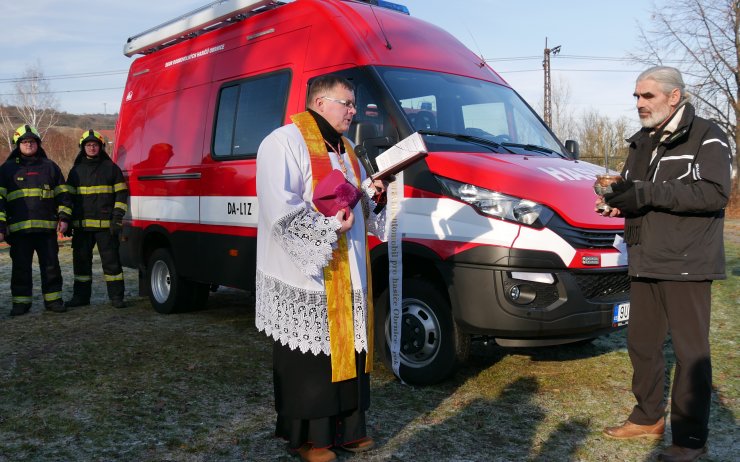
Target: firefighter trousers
pixel 22 247
pixel 83 243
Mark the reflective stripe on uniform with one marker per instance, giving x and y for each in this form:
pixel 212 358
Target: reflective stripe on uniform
pixel 102 189
pixel 120 205
pixel 113 277
pixel 30 192
pixel 21 299
pixel 45 224
pixel 62 188
pixel 3 192
pixel 91 224
pixel 3 217
pixel 50 297
pixel 82 278
pixel 120 187
pixel 64 209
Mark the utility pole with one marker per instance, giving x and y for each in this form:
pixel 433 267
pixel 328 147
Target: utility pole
pixel 548 85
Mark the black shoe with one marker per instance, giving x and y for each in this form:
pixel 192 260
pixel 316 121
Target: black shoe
pixel 118 303
pixel 19 309
pixel 56 306
pixel 676 453
pixel 74 301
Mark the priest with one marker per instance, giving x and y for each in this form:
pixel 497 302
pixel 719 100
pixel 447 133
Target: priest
pixel 313 288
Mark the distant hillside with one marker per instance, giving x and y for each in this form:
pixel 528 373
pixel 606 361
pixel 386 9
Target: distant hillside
pixel 83 121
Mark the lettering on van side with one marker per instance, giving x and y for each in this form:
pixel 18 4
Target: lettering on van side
pixel 197 54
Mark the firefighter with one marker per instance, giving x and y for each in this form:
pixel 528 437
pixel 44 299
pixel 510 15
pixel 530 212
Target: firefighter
pixel 99 195
pixel 34 207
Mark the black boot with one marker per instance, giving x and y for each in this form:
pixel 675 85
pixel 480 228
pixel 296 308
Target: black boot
pixel 19 309
pixel 81 292
pixel 76 300
pixel 117 303
pixel 56 306
pixel 115 292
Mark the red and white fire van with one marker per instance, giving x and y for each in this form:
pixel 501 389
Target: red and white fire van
pixel 500 239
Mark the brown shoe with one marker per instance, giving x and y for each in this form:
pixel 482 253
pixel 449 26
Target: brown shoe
pixel 308 453
pixel 680 454
pixel 361 445
pixel 629 430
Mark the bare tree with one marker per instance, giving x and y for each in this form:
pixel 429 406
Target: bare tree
pixel 563 123
pixel 602 140
pixel 33 103
pixel 704 37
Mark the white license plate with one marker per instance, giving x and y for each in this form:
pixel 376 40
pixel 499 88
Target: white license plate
pixel 621 314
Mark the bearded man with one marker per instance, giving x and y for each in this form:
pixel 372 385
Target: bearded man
pixel 676 183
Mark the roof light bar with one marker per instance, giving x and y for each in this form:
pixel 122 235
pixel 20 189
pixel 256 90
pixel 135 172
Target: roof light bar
pixel 198 20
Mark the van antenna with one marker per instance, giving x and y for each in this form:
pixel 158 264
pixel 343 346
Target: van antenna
pixel 387 42
pixel 480 52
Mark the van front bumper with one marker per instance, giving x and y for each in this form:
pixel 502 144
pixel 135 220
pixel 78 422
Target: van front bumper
pixel 525 306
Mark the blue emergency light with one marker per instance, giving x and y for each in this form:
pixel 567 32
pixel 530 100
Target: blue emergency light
pixel 390 5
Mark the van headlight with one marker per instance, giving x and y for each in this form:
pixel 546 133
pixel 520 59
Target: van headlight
pixel 498 205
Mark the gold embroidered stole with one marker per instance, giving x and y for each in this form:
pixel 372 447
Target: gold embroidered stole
pixel 337 278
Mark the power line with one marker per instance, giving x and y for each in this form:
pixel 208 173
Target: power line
pixel 62 76
pixel 501 71
pixel 579 57
pixel 66 91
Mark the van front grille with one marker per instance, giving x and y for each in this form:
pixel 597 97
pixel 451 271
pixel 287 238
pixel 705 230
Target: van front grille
pixel 582 238
pixel 603 287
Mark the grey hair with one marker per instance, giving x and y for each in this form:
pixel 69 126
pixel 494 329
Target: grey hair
pixel 669 78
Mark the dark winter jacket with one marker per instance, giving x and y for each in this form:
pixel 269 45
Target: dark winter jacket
pixel 99 192
pixel 33 195
pixel 683 195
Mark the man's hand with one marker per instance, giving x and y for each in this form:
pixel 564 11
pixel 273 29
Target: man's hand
pixel 381 193
pixel 606 212
pixel 345 220
pixel 62 227
pixel 623 197
pixel 116 225
pixel 382 185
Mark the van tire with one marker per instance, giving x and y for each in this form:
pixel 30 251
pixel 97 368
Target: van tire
pixel 427 319
pixel 168 292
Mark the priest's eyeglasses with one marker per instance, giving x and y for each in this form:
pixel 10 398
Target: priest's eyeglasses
pixel 346 103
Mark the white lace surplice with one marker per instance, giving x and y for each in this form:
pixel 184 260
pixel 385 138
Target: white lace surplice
pixel 294 244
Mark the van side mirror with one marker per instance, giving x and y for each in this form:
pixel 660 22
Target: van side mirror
pixel 572 147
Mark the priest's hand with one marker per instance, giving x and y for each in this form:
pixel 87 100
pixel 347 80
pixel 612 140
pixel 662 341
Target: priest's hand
pixel 346 218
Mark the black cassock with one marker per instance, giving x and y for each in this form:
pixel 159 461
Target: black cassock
pixel 313 409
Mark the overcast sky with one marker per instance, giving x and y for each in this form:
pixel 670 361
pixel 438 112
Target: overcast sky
pixel 79 45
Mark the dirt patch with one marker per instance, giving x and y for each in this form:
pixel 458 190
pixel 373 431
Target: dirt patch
pixel 105 384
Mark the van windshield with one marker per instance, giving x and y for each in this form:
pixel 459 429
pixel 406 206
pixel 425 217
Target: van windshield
pixel 461 113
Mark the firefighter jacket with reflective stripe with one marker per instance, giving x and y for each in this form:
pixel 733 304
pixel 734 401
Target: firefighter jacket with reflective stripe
pixel 99 192
pixel 33 194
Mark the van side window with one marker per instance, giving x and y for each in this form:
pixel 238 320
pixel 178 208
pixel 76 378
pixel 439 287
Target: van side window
pixel 247 112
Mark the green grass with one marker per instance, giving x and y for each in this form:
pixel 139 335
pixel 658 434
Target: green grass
pixel 101 384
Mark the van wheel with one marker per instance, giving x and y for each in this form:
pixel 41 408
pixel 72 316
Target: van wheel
pixel 432 346
pixel 168 292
